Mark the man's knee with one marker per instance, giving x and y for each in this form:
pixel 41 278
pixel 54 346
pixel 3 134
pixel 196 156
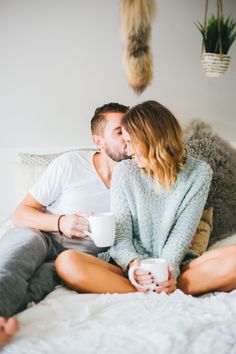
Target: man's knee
pixel 22 246
pixel 22 236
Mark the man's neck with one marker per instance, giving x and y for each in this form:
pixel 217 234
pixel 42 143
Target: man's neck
pixel 104 166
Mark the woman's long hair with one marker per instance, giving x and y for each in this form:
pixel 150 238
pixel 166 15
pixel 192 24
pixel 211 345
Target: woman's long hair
pixel 157 133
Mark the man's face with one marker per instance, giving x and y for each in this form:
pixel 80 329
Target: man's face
pixel 113 141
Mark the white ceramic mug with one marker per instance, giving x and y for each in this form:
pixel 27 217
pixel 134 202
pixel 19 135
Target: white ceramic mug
pixel 102 226
pixel 158 267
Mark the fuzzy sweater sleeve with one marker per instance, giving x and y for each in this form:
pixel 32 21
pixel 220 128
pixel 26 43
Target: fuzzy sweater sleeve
pixel 185 226
pixel 123 250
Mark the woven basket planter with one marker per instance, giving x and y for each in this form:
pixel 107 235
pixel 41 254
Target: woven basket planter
pixel 215 65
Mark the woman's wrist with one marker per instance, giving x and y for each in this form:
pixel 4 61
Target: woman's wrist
pixel 132 263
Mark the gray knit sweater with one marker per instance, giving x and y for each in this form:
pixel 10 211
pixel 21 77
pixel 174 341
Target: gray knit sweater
pixel 152 224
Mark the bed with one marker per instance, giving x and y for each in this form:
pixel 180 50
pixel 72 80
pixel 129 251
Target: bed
pixel 67 322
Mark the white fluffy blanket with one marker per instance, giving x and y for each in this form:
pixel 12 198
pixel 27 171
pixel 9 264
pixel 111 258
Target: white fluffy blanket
pixel 67 322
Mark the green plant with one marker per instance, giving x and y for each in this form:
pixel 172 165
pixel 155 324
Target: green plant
pixel 211 34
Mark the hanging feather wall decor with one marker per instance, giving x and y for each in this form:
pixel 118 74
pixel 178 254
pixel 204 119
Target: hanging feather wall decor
pixel 137 16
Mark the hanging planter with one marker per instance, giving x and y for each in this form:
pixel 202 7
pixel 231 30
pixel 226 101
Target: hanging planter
pixel 214 65
pixel 218 34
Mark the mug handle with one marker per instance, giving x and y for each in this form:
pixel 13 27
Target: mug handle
pixel 131 277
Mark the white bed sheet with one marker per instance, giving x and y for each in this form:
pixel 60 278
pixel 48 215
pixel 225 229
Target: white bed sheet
pixel 67 322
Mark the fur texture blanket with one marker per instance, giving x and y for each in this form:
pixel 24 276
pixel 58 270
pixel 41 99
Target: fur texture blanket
pixel 204 144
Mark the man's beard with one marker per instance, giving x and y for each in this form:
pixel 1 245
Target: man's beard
pixel 116 156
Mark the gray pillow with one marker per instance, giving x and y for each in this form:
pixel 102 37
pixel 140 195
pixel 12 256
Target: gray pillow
pixel 204 144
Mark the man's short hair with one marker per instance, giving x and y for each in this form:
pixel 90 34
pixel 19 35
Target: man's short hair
pixel 98 121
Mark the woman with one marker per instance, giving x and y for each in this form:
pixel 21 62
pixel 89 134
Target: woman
pixel 157 197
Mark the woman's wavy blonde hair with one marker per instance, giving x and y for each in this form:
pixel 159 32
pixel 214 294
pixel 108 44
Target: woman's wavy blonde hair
pixel 158 135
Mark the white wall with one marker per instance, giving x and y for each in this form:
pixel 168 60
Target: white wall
pixel 60 59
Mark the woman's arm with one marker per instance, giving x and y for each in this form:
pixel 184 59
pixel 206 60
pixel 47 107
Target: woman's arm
pixel 123 250
pixel 182 232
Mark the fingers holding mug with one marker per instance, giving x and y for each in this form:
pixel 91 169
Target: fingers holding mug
pixel 69 226
pixel 169 285
pixel 80 226
pixel 143 277
pixel 135 274
pixel 82 221
pixel 148 272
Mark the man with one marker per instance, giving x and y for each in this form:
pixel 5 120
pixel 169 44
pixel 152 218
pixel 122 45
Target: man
pixel 50 218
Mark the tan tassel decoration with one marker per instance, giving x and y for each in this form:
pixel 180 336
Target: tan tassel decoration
pixel 137 16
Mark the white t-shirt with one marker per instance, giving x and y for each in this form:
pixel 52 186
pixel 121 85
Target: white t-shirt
pixel 69 185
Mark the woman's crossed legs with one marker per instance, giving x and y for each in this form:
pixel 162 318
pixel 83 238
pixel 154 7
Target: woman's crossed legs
pixel 215 270
pixel 85 273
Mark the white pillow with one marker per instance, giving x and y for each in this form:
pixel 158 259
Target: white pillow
pixel 28 170
pixel 44 159
pixel 24 177
pixel 5 225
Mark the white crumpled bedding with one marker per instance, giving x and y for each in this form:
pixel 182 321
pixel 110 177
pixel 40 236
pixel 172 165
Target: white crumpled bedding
pixel 67 322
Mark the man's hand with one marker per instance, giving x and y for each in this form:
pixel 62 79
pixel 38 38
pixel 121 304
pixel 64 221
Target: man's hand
pixel 73 226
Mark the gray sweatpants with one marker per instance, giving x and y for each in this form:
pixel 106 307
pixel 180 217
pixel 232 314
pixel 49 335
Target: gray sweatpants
pixel 27 270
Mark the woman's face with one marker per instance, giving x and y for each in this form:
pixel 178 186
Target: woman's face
pixel 133 150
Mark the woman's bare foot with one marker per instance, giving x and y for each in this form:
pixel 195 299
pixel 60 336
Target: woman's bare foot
pixel 8 326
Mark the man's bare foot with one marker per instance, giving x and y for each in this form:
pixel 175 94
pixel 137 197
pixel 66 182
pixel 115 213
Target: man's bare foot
pixel 8 326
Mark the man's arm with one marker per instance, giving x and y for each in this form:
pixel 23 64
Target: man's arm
pixel 30 213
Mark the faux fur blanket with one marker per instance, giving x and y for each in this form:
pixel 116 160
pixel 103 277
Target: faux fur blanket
pixel 204 144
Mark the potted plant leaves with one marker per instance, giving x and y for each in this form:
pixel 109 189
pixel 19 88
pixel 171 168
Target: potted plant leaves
pixel 218 34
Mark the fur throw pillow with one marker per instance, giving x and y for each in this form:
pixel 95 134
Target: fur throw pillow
pixel 204 144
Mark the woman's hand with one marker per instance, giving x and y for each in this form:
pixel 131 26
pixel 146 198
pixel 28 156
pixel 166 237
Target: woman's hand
pixel 142 277
pixel 169 285
pixel 145 278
